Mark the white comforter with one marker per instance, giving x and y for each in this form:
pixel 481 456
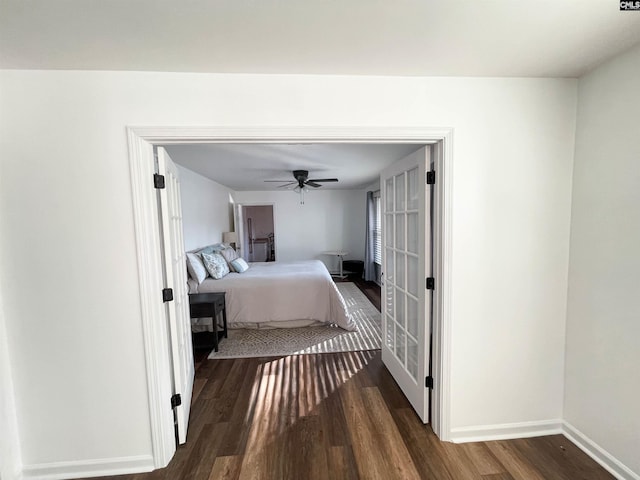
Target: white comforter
pixel 270 293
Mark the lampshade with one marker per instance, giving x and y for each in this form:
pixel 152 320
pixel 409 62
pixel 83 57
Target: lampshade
pixel 229 237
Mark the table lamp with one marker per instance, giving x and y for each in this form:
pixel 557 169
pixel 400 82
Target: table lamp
pixel 229 238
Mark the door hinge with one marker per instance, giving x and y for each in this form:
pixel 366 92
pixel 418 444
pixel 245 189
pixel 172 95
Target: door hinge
pixel 176 400
pixel 431 177
pixel 428 381
pixel 158 180
pixel 167 294
pixel 431 283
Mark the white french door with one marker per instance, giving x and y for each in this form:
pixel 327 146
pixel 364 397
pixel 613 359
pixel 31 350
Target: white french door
pixel 176 278
pixel 406 262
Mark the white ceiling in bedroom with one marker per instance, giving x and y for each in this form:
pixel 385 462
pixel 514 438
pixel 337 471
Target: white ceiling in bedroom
pixel 247 166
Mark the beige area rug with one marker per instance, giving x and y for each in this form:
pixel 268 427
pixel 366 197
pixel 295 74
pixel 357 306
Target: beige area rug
pixel 297 341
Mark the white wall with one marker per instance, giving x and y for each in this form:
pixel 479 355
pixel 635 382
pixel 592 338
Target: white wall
pixel 328 220
pixel 602 387
pixel 206 209
pixel 68 234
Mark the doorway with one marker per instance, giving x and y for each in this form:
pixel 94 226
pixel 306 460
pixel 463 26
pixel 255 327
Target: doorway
pixel 256 232
pixel 156 341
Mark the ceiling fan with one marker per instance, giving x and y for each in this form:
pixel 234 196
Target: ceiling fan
pixel 302 179
pixel 302 182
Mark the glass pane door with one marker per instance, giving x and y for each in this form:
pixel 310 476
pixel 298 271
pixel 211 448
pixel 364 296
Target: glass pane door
pixel 405 350
pixel 402 272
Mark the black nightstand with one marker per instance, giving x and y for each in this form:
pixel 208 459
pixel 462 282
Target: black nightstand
pixel 210 305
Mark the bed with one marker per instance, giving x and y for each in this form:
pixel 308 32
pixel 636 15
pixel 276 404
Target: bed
pixel 280 295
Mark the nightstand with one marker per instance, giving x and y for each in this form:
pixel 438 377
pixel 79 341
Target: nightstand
pixel 210 305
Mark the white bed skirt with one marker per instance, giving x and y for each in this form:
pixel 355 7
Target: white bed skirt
pixel 279 295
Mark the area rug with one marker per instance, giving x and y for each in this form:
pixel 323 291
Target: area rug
pixel 243 343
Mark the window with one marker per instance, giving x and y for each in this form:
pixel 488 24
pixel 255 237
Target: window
pixel 377 229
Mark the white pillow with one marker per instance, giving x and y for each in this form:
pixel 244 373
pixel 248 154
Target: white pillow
pixel 195 267
pixel 215 264
pixel 229 255
pixel 239 265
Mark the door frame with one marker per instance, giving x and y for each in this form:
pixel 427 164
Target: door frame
pixel 142 139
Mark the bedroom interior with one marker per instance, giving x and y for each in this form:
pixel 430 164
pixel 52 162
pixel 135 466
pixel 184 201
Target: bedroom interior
pixel 541 101
pixel 301 293
pixel 246 218
pixel 333 216
pixel 350 231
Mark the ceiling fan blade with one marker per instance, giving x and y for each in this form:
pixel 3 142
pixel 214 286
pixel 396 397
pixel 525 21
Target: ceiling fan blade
pixel 277 181
pixel 322 180
pixel 312 184
pixel 287 184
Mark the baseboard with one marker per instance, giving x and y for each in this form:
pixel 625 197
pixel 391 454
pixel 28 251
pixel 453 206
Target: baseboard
pixel 506 431
pixel 88 468
pixel 599 454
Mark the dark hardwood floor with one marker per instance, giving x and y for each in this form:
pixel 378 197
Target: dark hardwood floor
pixel 338 416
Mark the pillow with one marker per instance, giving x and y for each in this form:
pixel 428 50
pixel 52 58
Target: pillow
pixel 239 265
pixel 229 255
pixel 195 267
pixel 215 264
pixel 215 248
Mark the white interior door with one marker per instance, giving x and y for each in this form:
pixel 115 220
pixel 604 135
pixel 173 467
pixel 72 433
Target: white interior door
pixel 406 261
pixel 176 279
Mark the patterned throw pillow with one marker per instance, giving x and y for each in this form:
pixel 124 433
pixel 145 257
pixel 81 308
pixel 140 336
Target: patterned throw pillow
pixel 239 265
pixel 195 267
pixel 215 264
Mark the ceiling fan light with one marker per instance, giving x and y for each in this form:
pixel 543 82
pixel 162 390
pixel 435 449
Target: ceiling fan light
pixel 297 189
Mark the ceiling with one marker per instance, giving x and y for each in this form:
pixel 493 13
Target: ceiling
pixel 247 166
pixel 535 38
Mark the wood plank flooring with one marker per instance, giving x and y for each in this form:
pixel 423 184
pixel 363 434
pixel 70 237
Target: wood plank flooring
pixel 338 416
